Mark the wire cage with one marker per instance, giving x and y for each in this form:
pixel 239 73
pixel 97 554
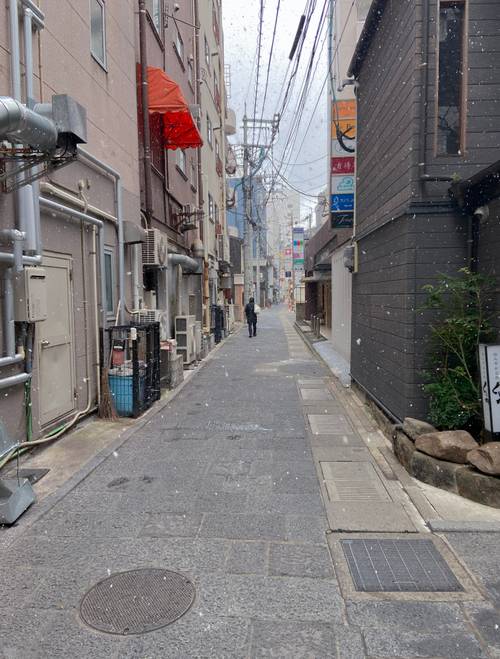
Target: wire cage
pixel 134 367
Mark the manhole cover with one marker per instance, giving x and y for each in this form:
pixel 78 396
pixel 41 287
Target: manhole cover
pixel 398 566
pixel 137 601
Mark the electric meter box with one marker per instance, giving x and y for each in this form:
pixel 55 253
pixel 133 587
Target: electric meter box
pixel 30 302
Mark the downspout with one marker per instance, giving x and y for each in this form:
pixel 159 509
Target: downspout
pixel 89 158
pixel 146 157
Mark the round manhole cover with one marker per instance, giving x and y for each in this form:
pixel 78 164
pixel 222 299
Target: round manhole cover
pixel 137 601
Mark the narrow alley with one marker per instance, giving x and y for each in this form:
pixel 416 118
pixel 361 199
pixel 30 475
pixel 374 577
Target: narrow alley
pixel 221 486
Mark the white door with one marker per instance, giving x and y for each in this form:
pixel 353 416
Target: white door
pixel 55 343
pixel 341 305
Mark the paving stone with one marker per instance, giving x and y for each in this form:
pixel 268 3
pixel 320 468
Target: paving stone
pixel 316 394
pixel 296 504
pixel 172 524
pixel 247 558
pixel 292 640
pixel 409 616
pixel 383 642
pixel 306 528
pixel 203 637
pixel 329 424
pixel 300 561
pixel 262 598
pixel 342 440
pixel 244 527
pixel 487 620
pixel 372 517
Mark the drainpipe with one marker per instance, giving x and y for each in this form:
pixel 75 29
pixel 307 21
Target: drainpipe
pixel 146 158
pixel 99 165
pixel 9 332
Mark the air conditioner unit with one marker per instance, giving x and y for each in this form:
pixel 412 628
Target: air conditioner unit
pixel 185 336
pixel 155 316
pixel 154 250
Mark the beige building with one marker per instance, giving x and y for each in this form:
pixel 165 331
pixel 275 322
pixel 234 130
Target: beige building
pixel 87 50
pixel 213 153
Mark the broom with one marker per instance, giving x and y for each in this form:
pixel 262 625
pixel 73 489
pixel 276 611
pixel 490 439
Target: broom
pixel 106 406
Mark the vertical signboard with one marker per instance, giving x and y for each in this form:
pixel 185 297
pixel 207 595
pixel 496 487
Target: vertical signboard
pixel 298 248
pixel 489 366
pixel 343 163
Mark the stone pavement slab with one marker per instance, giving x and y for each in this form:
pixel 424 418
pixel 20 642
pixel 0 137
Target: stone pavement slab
pixel 221 485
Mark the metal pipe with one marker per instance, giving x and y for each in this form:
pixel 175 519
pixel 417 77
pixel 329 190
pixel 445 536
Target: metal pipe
pixel 13 380
pixel 8 361
pixel 15 66
pixel 55 191
pixel 424 87
pixel 146 157
pixel 28 55
pixel 20 124
pixel 9 327
pixel 6 257
pixel 38 15
pixel 187 263
pixel 119 216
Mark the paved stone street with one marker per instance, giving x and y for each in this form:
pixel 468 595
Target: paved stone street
pixel 222 485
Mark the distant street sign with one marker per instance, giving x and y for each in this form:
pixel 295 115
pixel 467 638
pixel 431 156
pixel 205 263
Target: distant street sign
pixel 342 202
pixel 343 165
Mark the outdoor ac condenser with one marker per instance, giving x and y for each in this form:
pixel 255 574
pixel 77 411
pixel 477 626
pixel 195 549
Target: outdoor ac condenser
pixel 155 316
pixel 185 335
pixel 155 249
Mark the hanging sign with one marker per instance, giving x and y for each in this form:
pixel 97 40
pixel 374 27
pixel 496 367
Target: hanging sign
pixel 343 163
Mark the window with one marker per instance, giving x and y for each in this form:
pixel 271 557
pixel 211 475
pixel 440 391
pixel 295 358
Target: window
pixel 154 10
pixel 210 207
pixel 216 214
pixel 450 78
pixel 181 161
pixel 207 53
pixel 98 31
pixel 217 149
pixel 194 178
pixel 190 72
pixel 179 45
pixel 157 143
pixel 209 131
pixel 109 279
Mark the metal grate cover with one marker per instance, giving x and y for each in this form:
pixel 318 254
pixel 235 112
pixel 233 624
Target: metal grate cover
pixel 137 601
pixel 398 566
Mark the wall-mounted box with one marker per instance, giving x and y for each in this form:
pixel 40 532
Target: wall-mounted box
pixel 30 295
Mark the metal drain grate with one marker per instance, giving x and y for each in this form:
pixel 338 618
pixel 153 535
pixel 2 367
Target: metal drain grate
pixel 137 601
pixel 398 566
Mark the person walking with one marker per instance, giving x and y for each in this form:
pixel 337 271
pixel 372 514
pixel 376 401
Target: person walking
pixel 251 315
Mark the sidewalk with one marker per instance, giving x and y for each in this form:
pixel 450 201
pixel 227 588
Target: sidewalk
pixel 248 483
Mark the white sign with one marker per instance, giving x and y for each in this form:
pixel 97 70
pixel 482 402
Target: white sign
pixel 338 151
pixel 342 184
pixel 489 364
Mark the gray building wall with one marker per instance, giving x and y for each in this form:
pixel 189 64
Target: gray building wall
pixel 408 231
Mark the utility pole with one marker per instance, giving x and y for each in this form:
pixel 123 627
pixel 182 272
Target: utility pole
pixel 247 223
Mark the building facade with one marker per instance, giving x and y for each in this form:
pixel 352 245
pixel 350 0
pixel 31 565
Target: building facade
pixel 87 52
pixel 428 95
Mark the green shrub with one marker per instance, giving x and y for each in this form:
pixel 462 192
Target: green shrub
pixel 462 322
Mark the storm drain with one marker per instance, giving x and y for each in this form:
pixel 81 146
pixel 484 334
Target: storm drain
pixel 398 566
pixel 137 601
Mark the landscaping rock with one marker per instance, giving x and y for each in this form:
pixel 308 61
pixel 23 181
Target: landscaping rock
pixel 450 445
pixel 478 487
pixel 486 458
pixel 435 472
pixel 404 448
pixel 414 428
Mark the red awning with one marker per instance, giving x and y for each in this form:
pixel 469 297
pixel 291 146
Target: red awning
pixel 166 98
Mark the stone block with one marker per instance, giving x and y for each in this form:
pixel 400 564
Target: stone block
pixel 404 448
pixel 439 473
pixel 450 445
pixel 486 458
pixel 414 428
pixel 478 487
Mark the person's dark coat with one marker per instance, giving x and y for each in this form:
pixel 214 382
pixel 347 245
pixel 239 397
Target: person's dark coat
pixel 250 313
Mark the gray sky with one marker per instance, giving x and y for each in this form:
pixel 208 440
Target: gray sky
pixel 241 20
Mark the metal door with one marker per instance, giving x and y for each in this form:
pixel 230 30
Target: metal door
pixel 55 343
pixel 341 305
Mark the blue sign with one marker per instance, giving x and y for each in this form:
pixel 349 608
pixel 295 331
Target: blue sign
pixel 340 203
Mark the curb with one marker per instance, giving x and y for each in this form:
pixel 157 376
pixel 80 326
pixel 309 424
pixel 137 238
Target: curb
pixel 35 513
